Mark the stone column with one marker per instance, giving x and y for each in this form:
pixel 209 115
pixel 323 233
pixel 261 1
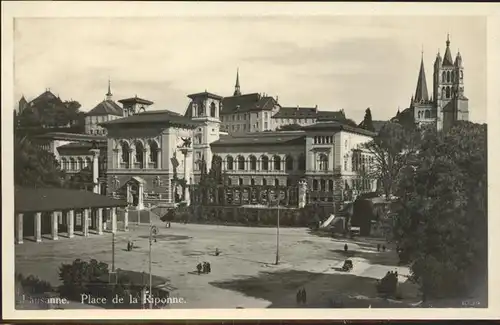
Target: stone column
pixel 99 221
pixel 125 219
pixel 140 197
pixel 54 225
pixel 187 199
pixel 95 169
pixel 158 158
pixel 85 222
pixel 145 160
pixel 38 227
pixel 129 194
pixel 105 217
pixel 71 223
pixel 19 228
pixel 302 194
pixel 130 158
pixel 113 220
pixel 116 158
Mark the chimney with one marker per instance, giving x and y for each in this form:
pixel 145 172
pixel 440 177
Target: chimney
pixel 276 98
pixel 316 108
pixel 297 107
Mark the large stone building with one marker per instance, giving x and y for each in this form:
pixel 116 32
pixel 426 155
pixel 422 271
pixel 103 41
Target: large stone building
pixel 448 102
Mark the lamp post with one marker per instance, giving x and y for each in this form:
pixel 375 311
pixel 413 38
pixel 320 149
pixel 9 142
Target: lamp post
pixel 153 231
pixel 278 233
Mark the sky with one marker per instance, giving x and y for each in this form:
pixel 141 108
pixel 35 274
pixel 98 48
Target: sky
pixel 335 62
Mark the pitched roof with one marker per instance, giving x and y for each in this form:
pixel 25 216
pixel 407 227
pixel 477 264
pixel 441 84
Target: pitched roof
pixel 447 60
pixel 337 126
pixel 261 138
pixel 135 100
pixel 71 136
pixel 82 145
pixel 57 199
pixel 106 107
pixel 163 117
pixel 45 100
pixel 247 103
pixel 421 94
pixel 296 112
pixel 205 94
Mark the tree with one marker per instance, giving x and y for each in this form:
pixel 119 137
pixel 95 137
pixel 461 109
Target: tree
pixel 392 149
pixel 367 121
pixel 441 228
pixel 34 166
pixel 83 180
pixel 350 122
pixel 290 127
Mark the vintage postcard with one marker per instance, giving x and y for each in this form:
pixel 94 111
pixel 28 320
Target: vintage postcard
pixel 249 160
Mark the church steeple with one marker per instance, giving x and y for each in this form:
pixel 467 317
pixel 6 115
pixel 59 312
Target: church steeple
pixel 448 59
pixel 237 91
pixel 109 95
pixel 421 94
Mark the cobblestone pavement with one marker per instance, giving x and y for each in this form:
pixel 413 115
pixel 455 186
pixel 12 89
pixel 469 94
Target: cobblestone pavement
pixel 245 252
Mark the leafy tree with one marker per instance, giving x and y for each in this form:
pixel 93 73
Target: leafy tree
pixel 34 166
pixel 392 149
pixel 290 127
pixel 367 121
pixel 83 180
pixel 350 122
pixel 442 225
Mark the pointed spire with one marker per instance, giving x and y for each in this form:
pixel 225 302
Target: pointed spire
pixel 237 91
pixel 109 95
pixel 421 94
pixel 447 60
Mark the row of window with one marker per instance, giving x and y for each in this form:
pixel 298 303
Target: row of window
pixel 317 185
pixel 139 153
pixel 240 117
pixel 262 182
pixel 244 127
pixel 323 139
pixel 98 131
pixel 276 162
pixel 451 76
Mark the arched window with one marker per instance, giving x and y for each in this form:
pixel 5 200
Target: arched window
pixel 240 181
pixel 448 92
pixel 322 162
pixel 315 184
pixel 264 160
pixel 323 184
pixel 241 162
pixel 277 162
pixel 139 154
pixel 289 163
pixel 252 181
pixel 448 76
pixel 253 162
pixel 427 113
pixel 443 92
pixel 153 153
pixel 453 76
pixel 330 185
pixel 81 163
pixel 228 181
pixel 276 182
pixel 444 76
pixel 213 109
pixel 302 162
pixel 72 164
pixel 264 182
pixel 125 153
pixel 229 162
pixel 461 74
pixel 88 162
pixel 200 110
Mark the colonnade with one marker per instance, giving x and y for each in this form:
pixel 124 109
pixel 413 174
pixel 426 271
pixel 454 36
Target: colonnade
pixel 69 216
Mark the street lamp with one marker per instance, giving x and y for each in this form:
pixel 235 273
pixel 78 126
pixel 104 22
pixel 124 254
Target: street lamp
pixel 153 231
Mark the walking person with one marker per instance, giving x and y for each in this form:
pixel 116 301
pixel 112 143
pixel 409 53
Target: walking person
pixel 346 248
pixel 198 267
pixel 304 296
pixel 378 247
pixel 383 248
pixel 298 296
pixel 209 268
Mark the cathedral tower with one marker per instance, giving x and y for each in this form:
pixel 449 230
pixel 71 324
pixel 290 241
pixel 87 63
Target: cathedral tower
pixel 450 101
pixel 237 91
pixel 422 107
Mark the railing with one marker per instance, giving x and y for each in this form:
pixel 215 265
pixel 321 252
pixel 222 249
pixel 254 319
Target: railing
pixel 271 172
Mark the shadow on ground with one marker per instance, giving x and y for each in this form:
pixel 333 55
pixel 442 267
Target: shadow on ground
pixel 323 290
pixel 380 258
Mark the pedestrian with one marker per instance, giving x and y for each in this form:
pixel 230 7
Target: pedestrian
pixel 383 248
pixel 345 248
pixel 198 267
pixel 298 296
pixel 131 245
pixel 205 267
pixel 217 252
pixel 304 296
pixel 209 268
pixel 378 247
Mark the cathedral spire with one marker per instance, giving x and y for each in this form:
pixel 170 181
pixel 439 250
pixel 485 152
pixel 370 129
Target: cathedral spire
pixel 237 91
pixel 421 94
pixel 447 60
pixel 109 95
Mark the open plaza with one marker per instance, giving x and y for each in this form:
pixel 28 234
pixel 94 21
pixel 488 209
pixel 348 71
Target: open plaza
pixel 244 275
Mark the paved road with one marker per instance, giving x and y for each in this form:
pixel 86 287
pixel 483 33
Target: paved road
pixel 245 253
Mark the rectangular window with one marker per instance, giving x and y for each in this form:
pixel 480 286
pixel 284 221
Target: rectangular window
pixel 265 125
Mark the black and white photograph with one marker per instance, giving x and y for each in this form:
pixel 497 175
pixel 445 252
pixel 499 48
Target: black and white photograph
pixel 243 161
